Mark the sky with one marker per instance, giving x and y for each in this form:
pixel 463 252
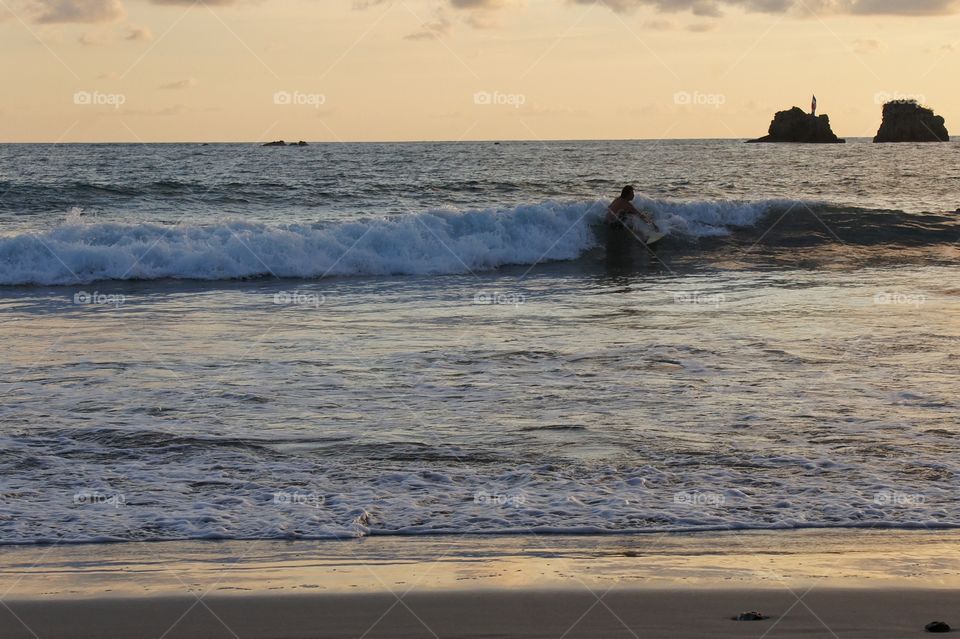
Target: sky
pixel 392 70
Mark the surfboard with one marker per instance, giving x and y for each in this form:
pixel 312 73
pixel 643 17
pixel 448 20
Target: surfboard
pixel 655 237
pixel 644 232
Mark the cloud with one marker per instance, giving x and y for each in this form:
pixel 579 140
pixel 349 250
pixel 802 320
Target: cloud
pixel 138 34
pixel 479 4
pixel 659 25
pixel 715 8
pixel 905 7
pixel 189 83
pixel 78 11
pixel 189 3
pixel 482 19
pixel 431 30
pixel 481 14
pixel 366 4
pixel 93 39
pixel 867 46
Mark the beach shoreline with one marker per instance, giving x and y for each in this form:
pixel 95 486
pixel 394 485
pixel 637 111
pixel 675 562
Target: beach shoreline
pixel 859 613
pixel 810 583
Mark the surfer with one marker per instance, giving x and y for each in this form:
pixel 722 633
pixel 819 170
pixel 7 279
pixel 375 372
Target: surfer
pixel 621 208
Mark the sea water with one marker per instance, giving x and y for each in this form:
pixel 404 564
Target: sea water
pixel 231 341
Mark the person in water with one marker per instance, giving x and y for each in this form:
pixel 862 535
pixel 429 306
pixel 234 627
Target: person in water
pixel 622 208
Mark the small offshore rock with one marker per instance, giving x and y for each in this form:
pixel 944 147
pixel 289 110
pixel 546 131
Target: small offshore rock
pixel 750 616
pixel 908 121
pixel 798 127
pixel 937 626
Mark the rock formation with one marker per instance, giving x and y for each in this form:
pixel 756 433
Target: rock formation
pixel 797 126
pixel 282 143
pixel 907 121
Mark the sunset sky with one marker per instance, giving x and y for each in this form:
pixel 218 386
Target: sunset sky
pixel 328 70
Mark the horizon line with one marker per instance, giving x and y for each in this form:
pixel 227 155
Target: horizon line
pixel 293 141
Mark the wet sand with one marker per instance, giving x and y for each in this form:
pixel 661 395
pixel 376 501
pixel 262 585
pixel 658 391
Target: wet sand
pixel 816 583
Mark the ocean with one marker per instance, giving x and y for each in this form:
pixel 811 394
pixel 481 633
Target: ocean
pixel 228 341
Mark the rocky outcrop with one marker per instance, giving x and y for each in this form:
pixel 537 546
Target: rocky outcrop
pixel 282 143
pixel 907 121
pixel 797 126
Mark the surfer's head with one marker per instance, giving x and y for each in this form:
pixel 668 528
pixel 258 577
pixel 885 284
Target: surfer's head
pixel 627 193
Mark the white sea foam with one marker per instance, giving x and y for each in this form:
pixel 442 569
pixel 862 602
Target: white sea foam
pixel 712 218
pixel 435 242
pixel 389 410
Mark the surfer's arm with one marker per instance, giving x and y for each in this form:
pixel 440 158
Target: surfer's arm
pixel 643 215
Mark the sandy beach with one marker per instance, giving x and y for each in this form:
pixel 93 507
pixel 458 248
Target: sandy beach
pixel 810 584
pixel 524 613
